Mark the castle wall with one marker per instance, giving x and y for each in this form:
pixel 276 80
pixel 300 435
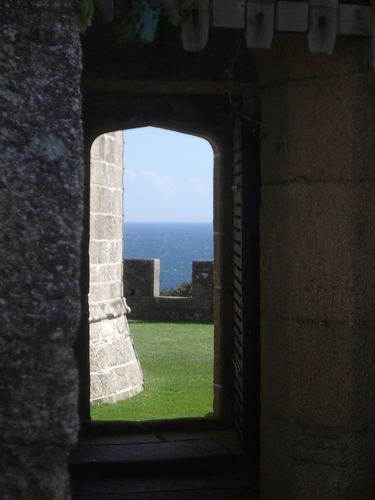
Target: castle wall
pixel 317 255
pixel 115 372
pixel 317 273
pixel 141 287
pixel 41 213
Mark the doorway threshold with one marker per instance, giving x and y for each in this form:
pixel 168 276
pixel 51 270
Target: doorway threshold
pixel 160 463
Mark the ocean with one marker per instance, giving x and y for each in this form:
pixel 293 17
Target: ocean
pixel 175 244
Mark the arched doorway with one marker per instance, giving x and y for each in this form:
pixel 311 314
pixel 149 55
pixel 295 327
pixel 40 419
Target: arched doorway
pixel 211 117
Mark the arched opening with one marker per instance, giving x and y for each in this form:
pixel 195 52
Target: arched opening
pixel 174 204
pixel 200 93
pixel 210 117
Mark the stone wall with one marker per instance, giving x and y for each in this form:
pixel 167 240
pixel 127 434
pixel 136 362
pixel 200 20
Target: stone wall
pixel 115 372
pixel 317 274
pixel 41 213
pixel 317 252
pixel 141 287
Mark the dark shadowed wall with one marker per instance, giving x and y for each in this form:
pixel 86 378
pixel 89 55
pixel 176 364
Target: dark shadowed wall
pixel 41 193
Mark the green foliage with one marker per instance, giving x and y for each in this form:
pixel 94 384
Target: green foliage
pixel 125 27
pixel 130 24
pixel 87 14
pixel 175 18
pixel 183 290
pixel 177 362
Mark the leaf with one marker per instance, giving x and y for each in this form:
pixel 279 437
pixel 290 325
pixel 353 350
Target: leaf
pixel 135 9
pixel 175 18
pixel 85 18
pixel 127 32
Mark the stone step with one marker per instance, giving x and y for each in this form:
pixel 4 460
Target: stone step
pixel 227 486
pixel 154 454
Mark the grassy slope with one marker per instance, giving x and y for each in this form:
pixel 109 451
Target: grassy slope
pixel 177 362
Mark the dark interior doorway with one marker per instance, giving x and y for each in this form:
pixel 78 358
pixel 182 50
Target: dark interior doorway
pixel 212 117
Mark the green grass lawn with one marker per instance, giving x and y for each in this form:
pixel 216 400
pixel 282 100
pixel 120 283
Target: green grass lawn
pixel 177 363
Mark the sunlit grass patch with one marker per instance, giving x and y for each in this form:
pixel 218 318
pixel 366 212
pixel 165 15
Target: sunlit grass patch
pixel 177 362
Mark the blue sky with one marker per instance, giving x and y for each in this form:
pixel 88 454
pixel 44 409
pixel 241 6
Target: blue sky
pixel 168 177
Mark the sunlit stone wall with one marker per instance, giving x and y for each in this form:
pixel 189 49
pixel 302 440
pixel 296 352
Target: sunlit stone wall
pixel 115 372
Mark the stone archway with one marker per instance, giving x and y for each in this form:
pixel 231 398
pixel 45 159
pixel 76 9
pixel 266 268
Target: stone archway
pixel 210 117
pixel 196 99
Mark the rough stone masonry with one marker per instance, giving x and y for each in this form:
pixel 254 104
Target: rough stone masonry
pixel 41 189
pixel 115 372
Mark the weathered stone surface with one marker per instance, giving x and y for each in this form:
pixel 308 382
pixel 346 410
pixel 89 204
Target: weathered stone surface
pixel 302 243
pixel 114 366
pixel 48 5
pixel 141 277
pixel 315 462
pixel 35 473
pixel 29 386
pixel 317 276
pixel 112 353
pixel 142 283
pixel 41 191
pixel 304 380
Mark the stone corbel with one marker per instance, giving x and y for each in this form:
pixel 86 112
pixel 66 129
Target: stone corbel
pixel 323 25
pixel 194 30
pixel 260 18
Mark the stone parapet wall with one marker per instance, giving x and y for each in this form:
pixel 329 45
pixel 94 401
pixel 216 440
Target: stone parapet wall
pixel 141 287
pixel 115 372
